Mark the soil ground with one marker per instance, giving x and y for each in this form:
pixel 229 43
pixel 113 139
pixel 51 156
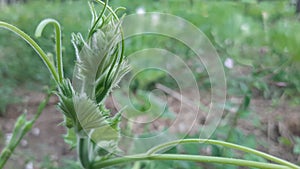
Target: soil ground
pixel 45 143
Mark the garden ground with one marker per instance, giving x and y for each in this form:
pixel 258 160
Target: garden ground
pixel 44 145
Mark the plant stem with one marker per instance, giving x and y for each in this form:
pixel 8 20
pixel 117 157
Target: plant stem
pixel 34 45
pixel 58 43
pixel 97 21
pixel 181 157
pixel 83 153
pixel 59 51
pixel 109 8
pixel 21 129
pixel 225 144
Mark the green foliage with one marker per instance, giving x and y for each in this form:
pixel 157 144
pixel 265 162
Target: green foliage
pixel 144 103
pixel 83 108
pixel 22 126
pixel 259 35
pixel 296 149
pixel 7 97
pixel 100 64
pixel 256 34
pixel 27 16
pixel 19 67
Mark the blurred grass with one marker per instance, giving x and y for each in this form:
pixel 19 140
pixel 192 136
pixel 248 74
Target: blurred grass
pixel 237 29
pixel 260 36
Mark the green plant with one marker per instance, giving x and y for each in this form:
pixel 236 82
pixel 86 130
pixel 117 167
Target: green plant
pixel 14 62
pixel 91 128
pixel 22 127
pixel 7 97
pixel 296 148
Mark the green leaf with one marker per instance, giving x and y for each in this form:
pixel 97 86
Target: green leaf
pixel 104 133
pixel 296 149
pixel 100 61
pixel 285 141
pixel 70 138
pixel 88 114
pixel 95 123
pixel 143 103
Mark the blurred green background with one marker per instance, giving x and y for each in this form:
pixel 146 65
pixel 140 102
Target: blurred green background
pixel 257 40
pixel 260 35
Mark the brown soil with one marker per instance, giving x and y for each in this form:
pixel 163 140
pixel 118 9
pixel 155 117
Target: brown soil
pixel 44 141
pixel 276 122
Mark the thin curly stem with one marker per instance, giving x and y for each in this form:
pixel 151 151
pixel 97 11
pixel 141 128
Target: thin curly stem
pixel 38 33
pixel 35 46
pixel 224 144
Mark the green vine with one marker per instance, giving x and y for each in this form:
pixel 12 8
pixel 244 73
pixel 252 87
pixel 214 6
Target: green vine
pixel 35 46
pixel 193 158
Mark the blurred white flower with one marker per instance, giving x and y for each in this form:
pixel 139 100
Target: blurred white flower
pixel 8 137
pixel 245 28
pixel 281 84
pixel 24 143
pixel 36 131
pixel 229 63
pixel 228 41
pixel 265 15
pixel 140 10
pixel 29 165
